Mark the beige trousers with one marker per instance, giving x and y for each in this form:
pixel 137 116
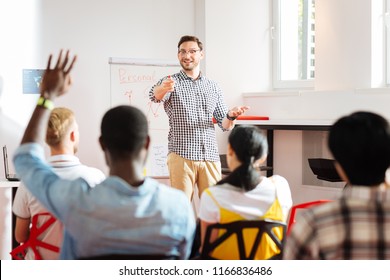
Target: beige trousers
pixel 184 174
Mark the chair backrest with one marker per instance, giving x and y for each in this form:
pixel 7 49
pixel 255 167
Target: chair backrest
pixel 130 257
pixel 33 241
pixel 293 210
pixel 246 239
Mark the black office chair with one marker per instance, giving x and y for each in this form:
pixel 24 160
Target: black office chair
pixel 273 231
pixel 225 169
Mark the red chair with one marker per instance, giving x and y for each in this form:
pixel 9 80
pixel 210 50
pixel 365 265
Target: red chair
pixel 293 210
pixel 33 242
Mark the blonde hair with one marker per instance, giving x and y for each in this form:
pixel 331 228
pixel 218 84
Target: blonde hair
pixel 60 121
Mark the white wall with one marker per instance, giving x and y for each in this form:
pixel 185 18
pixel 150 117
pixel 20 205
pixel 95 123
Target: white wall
pixel 343 44
pixel 18 49
pixel 238 53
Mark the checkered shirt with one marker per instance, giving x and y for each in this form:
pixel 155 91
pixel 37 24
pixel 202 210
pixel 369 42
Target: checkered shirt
pixel 190 109
pixel 355 227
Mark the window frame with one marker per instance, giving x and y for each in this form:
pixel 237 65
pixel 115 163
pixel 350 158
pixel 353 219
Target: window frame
pixel 278 83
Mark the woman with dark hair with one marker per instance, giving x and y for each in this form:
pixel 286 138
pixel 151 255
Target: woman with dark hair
pixel 356 225
pixel 244 194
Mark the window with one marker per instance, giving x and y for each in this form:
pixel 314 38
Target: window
pixel 293 35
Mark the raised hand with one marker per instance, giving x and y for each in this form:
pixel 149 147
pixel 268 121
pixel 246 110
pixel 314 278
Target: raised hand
pixel 57 81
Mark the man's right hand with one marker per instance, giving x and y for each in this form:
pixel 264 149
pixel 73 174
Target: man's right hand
pixel 168 85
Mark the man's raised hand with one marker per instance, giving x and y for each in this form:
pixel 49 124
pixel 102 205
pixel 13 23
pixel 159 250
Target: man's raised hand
pixel 57 81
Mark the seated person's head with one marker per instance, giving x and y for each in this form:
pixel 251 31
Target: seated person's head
pixel 360 144
pixel 248 143
pixel 124 133
pixel 62 131
pixel 247 148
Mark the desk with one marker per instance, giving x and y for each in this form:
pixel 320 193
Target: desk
pixel 271 125
pixel 5 210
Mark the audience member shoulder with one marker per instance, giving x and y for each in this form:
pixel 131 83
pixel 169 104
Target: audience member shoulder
pixel 279 180
pixel 169 190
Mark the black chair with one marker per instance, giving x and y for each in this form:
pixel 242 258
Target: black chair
pixel 130 257
pixel 225 169
pixel 265 228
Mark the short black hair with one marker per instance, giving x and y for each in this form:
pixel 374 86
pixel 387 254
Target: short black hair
pixel 124 130
pixel 360 143
pixel 189 38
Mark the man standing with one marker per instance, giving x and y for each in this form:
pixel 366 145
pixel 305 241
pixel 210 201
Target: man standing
pixel 62 136
pixel 191 101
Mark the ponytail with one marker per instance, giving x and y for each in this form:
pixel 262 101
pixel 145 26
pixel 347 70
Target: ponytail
pixel 249 145
pixel 245 177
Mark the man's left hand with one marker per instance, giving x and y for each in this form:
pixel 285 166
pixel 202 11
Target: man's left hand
pixel 237 111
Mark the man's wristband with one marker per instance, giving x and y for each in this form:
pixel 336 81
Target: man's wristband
pixel 45 103
pixel 230 118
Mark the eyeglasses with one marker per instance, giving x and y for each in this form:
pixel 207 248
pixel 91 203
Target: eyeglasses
pixel 190 52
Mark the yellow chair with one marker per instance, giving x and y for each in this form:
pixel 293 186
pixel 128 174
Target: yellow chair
pixel 245 240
